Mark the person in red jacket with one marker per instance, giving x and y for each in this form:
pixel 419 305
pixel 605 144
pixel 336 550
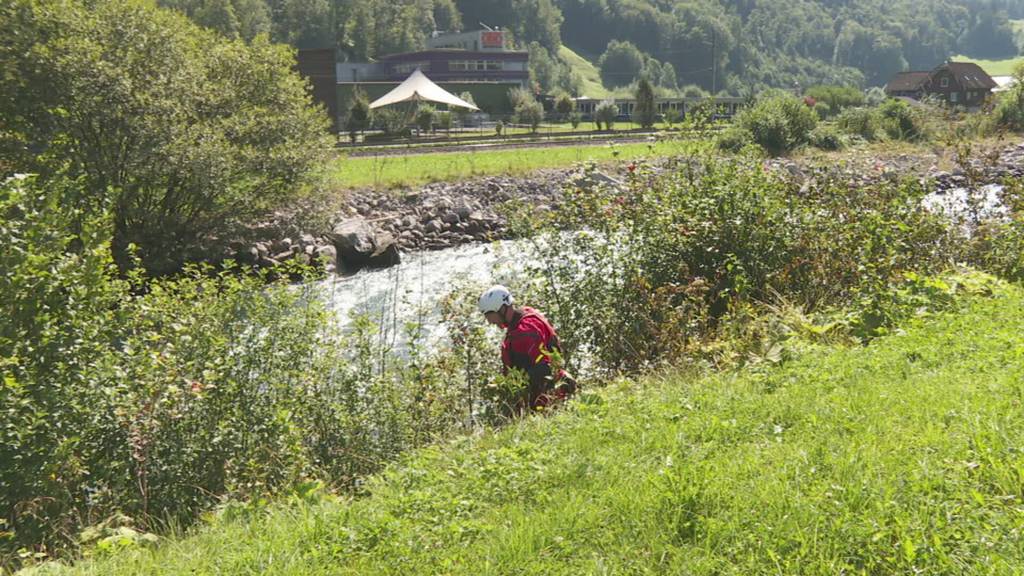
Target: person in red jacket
pixel 529 343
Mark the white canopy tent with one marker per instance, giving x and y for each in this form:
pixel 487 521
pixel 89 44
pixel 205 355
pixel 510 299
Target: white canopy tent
pixel 418 88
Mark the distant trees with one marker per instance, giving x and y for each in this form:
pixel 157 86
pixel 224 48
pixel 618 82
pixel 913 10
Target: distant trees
pixel 710 43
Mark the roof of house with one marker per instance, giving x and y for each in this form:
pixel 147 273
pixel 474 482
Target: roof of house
pixel 969 75
pixel 907 81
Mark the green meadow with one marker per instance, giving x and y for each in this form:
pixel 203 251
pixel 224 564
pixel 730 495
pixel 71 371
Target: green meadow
pixel 396 170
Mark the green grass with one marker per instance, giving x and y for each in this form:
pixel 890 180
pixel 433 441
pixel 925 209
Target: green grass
pixel 414 169
pixel 904 457
pixel 592 85
pixel 993 67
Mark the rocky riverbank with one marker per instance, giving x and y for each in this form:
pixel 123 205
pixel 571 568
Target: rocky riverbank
pixel 374 228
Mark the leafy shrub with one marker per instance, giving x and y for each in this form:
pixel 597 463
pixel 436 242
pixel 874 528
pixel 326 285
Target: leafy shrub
pixel 838 98
pixel 673 116
pixel 564 105
pixel 358 118
pixel 900 122
pixel 425 116
pixel 530 112
pixel 390 121
pixel 778 123
pixel 675 256
pixel 158 399
pixel 444 120
pixel 734 138
pixel 863 122
pixel 827 138
pixel 605 113
pixel 823 110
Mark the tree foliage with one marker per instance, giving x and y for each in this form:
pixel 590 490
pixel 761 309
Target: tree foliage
pixel 645 111
pixel 187 136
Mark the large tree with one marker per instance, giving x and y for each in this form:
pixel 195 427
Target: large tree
pixel 187 135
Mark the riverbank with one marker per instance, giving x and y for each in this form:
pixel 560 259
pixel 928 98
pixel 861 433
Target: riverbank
pixel 443 215
pixel 895 458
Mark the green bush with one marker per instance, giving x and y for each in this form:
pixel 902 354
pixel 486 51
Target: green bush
pixel 425 117
pixel 734 138
pixel 677 255
pixel 900 122
pixel 605 113
pixel 778 123
pixel 358 118
pixel 530 112
pixel 837 98
pixel 827 138
pixel 154 400
pixel 863 122
pixel 390 121
pixel 1009 110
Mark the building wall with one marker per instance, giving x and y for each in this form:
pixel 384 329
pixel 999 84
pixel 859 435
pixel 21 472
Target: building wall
pixel 317 66
pixel 456 66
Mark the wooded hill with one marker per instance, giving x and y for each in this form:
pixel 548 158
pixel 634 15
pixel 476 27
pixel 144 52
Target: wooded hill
pixel 715 44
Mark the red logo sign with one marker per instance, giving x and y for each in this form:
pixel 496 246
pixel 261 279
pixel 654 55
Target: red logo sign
pixel 492 39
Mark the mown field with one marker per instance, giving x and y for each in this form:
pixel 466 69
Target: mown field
pixel 1003 67
pixel 901 457
pixel 393 171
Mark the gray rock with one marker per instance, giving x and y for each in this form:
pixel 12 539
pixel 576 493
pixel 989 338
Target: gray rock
pixel 434 226
pixel 353 238
pixel 329 254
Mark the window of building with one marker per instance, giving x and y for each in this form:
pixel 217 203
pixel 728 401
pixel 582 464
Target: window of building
pixel 944 82
pixel 474 65
pixel 954 96
pixel 408 67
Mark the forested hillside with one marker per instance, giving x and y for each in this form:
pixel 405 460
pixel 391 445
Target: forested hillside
pixel 734 45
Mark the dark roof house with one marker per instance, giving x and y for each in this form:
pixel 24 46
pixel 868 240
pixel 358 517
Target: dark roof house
pixel 957 83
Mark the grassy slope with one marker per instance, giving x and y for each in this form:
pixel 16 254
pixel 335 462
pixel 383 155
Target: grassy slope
pixel 905 456
pixel 592 86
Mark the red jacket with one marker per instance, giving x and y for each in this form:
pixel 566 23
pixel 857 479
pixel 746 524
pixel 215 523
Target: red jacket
pixel 529 340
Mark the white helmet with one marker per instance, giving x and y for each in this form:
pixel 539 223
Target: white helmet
pixel 493 298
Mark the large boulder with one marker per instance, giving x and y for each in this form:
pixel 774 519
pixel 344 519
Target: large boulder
pixel 360 246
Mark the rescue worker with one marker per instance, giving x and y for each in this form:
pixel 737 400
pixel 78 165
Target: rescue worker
pixel 529 343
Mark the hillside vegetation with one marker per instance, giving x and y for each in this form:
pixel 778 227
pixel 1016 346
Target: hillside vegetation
pixel 714 44
pixel 901 457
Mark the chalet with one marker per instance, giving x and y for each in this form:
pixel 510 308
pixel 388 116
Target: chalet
pixel 957 83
